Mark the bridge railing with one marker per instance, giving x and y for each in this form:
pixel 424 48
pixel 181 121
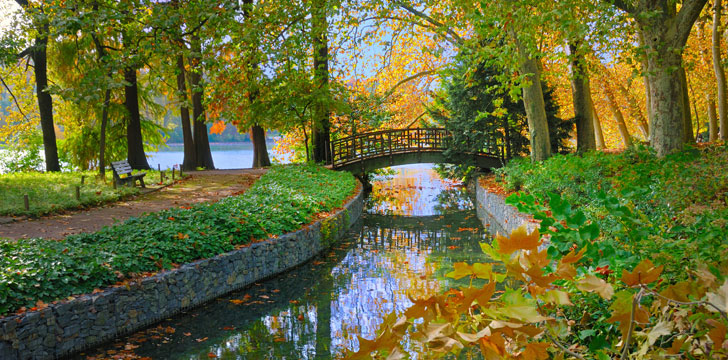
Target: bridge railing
pixel 387 142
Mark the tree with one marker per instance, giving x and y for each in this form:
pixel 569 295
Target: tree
pixel 664 31
pixel 719 73
pixel 38 52
pixel 321 111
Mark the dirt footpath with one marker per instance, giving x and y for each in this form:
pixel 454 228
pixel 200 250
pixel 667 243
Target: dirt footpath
pixel 199 186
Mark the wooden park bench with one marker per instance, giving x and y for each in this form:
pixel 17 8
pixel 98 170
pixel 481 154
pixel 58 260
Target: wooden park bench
pixel 123 175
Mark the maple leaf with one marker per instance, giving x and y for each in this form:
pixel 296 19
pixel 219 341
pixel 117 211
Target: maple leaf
pixel 644 273
pixel 717 333
pixel 622 312
pixel 461 270
pixel 535 351
pixel 565 271
pixel 519 240
pixel 591 283
pixel 719 298
pixel 556 297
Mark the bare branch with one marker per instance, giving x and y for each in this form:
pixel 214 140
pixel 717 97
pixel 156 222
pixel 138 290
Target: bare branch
pixel 454 35
pixel 14 98
pixel 635 303
pixel 408 79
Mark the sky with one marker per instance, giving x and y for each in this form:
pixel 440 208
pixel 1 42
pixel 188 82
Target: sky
pixel 7 7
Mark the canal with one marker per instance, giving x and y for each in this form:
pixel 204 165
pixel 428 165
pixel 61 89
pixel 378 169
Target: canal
pixel 415 226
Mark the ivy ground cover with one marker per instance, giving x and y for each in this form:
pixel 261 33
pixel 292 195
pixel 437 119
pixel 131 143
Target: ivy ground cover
pixel 283 200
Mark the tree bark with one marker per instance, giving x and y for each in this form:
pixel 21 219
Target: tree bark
pixel 260 150
pixel 665 32
pixel 719 73
pixel 202 142
pixel 135 145
pixel 45 102
pixel 189 162
pixel 598 134
pixel 618 117
pixel 687 114
pixel 712 119
pixel 646 81
pixel 321 113
pixel 581 93
pixel 102 134
pixel 533 102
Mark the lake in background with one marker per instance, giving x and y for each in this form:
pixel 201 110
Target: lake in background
pixel 224 155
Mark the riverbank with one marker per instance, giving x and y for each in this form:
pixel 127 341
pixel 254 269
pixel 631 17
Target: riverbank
pixel 65 326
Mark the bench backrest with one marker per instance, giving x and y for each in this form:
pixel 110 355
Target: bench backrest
pixel 121 167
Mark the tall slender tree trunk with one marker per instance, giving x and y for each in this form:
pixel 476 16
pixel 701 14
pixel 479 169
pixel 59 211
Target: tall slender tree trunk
pixel 45 102
pixel 712 119
pixel 321 114
pixel 202 142
pixel 687 114
pixel 581 93
pixel 135 145
pixel 646 81
pixel 533 102
pixel 189 162
pixel 102 134
pixel 101 57
pixel 598 133
pixel 257 132
pixel 260 150
pixel 618 117
pixel 719 72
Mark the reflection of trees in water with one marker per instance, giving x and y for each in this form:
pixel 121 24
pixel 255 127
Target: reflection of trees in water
pixel 453 200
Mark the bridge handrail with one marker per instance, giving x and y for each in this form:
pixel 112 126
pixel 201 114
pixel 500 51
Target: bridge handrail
pixel 386 142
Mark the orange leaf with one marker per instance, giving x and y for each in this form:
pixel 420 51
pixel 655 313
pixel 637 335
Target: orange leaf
pixel 717 334
pixel 218 127
pixel 536 351
pixel 519 240
pixel 573 257
pixel 211 355
pixel 644 273
pixel 592 283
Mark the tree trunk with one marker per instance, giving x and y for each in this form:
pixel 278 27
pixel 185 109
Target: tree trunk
pixel 598 134
pixel 618 117
pixel 321 114
pixel 45 102
pixel 202 143
pixel 102 134
pixel 189 162
pixel 712 119
pixel 719 73
pixel 533 102
pixel 581 93
pixel 260 150
pixel 135 145
pixel 634 110
pixel 667 130
pixel 687 116
pixel 646 81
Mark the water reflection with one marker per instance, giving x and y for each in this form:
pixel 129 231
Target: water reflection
pixel 414 228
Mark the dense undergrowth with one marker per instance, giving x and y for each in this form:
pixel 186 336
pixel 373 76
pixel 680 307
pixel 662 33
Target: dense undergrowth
pixel 629 262
pixel 54 192
pixel 677 206
pixel 283 200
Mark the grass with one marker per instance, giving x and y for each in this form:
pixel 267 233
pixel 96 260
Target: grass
pixel 282 200
pixel 55 192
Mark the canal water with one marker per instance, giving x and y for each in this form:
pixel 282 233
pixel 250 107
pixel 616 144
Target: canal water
pixel 415 226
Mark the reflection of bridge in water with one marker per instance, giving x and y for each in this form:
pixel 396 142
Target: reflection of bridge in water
pixel 436 232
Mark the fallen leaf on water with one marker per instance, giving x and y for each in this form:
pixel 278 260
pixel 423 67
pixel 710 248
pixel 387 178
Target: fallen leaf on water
pixel 187 334
pixel 228 328
pixel 264 297
pixel 237 301
pixel 293 301
pixel 279 339
pixel 201 340
pixel 452 247
pixel 300 317
pixel 169 330
pixel 211 355
pixel 275 290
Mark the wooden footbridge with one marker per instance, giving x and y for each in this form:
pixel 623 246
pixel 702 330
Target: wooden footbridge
pixel 365 152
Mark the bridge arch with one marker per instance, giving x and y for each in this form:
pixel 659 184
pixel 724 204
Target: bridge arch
pixel 366 152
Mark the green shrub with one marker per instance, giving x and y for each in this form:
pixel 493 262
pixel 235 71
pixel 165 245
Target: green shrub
pixel 281 201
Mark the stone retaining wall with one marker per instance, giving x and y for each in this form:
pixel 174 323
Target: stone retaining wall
pixel 71 326
pixel 496 216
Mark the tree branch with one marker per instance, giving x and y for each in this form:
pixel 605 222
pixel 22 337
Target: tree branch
pixel 684 20
pixel 622 5
pixel 408 79
pixel 14 98
pixel 454 35
pixel 635 303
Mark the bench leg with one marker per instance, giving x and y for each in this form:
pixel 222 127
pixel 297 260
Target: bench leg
pixel 141 182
